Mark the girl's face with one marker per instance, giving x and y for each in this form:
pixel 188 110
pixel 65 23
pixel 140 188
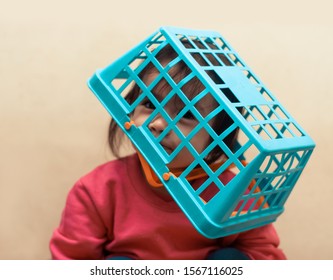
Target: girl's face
pixel 186 124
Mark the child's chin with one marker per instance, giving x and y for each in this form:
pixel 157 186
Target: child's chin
pixel 177 165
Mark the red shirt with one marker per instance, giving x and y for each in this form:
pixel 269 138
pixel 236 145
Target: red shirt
pixel 112 211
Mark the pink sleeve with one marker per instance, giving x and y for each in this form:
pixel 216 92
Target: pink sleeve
pixel 81 233
pixel 260 243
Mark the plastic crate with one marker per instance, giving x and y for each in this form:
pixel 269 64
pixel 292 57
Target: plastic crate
pixel 275 147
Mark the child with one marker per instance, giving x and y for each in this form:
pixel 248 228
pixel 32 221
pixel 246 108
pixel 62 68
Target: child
pixel 114 213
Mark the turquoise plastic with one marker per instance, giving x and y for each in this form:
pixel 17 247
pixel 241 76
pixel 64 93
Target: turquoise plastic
pixel 274 145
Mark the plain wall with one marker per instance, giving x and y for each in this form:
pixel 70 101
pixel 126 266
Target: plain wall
pixel 53 129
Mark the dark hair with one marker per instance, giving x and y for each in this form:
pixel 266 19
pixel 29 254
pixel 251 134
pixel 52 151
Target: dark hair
pixel 179 71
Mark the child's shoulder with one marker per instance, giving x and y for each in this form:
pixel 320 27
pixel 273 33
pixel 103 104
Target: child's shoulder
pixel 112 170
pixel 103 184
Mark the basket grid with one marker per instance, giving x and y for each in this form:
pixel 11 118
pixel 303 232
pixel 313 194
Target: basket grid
pixel 269 120
pixel 211 59
pixel 276 179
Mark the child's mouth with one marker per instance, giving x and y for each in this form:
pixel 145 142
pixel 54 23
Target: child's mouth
pixel 167 149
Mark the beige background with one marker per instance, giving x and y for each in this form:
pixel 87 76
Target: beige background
pixel 53 130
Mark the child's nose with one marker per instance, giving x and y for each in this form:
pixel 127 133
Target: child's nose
pixel 157 125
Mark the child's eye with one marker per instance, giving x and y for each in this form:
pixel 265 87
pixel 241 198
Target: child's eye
pixel 148 104
pixel 188 115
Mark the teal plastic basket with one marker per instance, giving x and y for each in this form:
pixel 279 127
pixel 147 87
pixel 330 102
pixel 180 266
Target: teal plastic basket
pixel 273 144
